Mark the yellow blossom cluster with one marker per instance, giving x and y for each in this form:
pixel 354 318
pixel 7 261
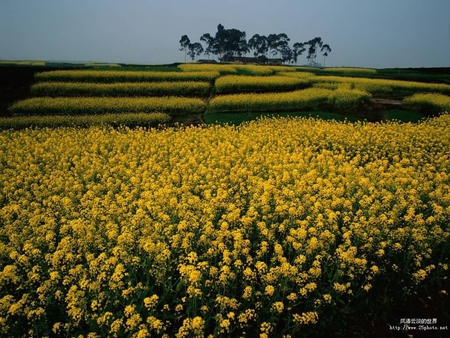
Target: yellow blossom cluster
pixel 346 97
pixel 259 229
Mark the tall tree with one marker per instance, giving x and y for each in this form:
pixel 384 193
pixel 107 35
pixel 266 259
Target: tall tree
pixel 209 40
pixel 298 49
pixel 184 42
pixel 229 42
pixel 195 49
pixel 282 44
pixel 313 45
pixel 237 42
pixel 325 50
pixel 287 54
pixel 272 42
pixel 258 43
pixel 253 44
pixel 219 41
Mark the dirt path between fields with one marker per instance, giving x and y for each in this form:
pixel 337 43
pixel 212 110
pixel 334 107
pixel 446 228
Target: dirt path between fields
pixel 387 102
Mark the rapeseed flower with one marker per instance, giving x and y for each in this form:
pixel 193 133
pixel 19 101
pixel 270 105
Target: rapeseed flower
pixel 232 226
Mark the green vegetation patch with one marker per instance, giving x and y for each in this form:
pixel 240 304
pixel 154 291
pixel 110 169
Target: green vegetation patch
pixel 403 115
pixel 350 70
pixel 236 119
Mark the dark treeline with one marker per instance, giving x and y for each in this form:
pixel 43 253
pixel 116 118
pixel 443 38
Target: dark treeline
pixel 227 44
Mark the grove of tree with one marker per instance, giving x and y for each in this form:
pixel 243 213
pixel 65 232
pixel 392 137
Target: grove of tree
pixel 228 43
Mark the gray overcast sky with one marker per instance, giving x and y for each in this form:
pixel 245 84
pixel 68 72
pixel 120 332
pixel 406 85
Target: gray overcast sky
pixel 361 33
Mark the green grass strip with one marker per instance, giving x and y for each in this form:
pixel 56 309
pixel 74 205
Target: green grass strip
pixel 403 115
pixel 238 118
pixel 350 70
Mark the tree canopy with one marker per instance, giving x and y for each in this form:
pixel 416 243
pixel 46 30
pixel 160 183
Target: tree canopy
pixel 229 43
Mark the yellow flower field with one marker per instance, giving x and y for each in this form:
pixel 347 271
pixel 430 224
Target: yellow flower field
pixel 280 226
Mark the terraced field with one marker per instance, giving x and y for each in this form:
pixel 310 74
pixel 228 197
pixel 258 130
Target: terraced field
pixel 196 92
